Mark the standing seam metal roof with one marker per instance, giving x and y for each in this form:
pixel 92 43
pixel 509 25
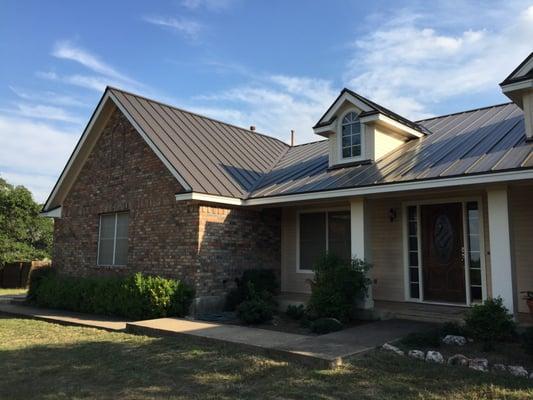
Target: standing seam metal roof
pixel 221 159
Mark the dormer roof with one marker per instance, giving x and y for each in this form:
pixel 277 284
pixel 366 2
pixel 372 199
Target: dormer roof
pixel 369 111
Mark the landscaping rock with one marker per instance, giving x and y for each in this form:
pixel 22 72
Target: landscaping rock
pixel 454 340
pixel 434 356
pixel 479 364
pixel 419 355
pixel 517 370
pixel 458 359
pixel 499 368
pixel 394 349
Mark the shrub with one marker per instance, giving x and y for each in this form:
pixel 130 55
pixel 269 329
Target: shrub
pixel 138 296
pixel 336 285
pixel 255 311
pixel 263 281
pixel 490 322
pixel 326 325
pixel 296 312
pixel 527 340
pixel 35 279
pixel 454 328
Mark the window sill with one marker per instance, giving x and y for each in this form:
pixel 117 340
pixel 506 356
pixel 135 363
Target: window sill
pixel 113 267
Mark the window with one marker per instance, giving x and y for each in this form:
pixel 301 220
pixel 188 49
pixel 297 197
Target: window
pixel 351 136
pixel 322 232
pixel 474 251
pixel 113 239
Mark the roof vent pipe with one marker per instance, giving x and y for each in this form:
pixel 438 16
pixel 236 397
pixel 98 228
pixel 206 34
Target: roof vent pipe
pixel 252 128
pixel 292 137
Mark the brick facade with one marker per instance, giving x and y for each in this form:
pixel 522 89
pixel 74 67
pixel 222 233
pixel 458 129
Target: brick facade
pixel 206 246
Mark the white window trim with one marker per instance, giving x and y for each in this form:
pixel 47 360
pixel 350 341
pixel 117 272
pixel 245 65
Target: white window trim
pixel 463 201
pixel 340 158
pixel 114 239
pixel 312 211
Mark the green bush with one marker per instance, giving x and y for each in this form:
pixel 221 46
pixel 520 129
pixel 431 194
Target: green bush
pixel 35 279
pixel 490 322
pixel 454 328
pixel 326 325
pixel 296 312
pixel 256 310
pixel 336 286
pixel 527 340
pixel 263 281
pixel 137 297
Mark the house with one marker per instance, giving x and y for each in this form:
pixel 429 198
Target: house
pixel 442 208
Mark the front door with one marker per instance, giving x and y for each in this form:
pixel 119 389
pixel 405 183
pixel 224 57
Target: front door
pixel 443 253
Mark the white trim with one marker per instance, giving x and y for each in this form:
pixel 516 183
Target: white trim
pixel 494 177
pixel 151 144
pixel 380 119
pixel 87 132
pixel 362 135
pixel 54 213
pixel 312 211
pixel 210 198
pixel 466 245
pixel 511 87
pixel 340 101
pixel 326 128
pixel 77 149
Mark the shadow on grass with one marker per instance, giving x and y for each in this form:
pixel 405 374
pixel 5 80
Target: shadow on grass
pixel 65 362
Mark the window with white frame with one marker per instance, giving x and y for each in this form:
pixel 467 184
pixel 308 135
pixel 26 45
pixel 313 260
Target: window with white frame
pixel 351 136
pixel 113 239
pixel 321 232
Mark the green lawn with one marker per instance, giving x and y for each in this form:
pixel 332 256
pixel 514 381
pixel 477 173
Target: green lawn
pixel 4 292
pixel 43 360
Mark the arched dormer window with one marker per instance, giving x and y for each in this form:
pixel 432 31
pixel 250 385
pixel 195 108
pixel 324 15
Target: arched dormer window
pixel 351 136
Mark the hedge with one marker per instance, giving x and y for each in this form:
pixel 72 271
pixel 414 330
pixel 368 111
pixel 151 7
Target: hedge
pixel 136 296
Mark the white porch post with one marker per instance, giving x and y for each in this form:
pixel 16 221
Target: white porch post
pixel 360 240
pixel 500 246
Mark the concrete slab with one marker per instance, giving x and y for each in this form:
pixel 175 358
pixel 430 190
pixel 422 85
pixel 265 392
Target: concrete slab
pixel 64 317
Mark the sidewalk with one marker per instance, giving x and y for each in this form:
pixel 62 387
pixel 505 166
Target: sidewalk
pixel 64 317
pixel 324 351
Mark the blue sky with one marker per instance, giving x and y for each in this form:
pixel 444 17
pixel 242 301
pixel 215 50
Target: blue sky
pixel 274 64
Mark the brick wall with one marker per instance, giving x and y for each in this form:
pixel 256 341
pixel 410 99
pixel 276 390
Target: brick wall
pixel 206 246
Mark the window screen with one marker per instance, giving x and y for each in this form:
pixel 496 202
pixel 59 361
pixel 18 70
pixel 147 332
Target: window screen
pixel 113 239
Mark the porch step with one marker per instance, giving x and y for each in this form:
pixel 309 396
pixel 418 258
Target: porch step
pixel 420 312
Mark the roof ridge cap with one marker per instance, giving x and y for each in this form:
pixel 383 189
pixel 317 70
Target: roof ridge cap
pixel 198 115
pixel 466 111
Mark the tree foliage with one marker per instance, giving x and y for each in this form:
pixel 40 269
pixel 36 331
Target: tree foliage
pixel 24 235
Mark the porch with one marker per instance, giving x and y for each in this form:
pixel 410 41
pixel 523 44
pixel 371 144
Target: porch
pixel 434 253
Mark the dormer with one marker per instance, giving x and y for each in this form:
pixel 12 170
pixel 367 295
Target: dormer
pixel 361 131
pixel 518 86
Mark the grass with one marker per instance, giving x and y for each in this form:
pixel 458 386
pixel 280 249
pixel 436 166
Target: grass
pixel 10 292
pixel 44 360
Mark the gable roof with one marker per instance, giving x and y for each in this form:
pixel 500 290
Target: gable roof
pixel 205 155
pixel 372 108
pixel 524 71
pixel 220 160
pixel 480 141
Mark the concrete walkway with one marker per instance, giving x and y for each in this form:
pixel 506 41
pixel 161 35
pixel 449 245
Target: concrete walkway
pixel 64 317
pixel 324 351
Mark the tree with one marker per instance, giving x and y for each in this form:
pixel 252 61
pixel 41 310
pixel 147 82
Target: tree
pixel 24 234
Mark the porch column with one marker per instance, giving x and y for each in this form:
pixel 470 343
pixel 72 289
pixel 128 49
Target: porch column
pixel 500 246
pixel 360 238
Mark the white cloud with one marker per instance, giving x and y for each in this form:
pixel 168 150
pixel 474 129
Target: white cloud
pixel 408 64
pixel 275 105
pixel 41 111
pixel 33 153
pixel 212 5
pixel 49 97
pixel 186 27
